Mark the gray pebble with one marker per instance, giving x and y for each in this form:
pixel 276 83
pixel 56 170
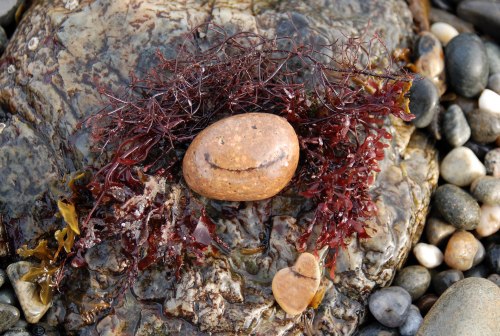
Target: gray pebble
pixel 484 125
pixel 436 230
pixel 412 323
pixel 455 127
pixel 486 190
pixel 480 254
pixel 469 307
pixel 415 279
pixel 9 315
pixel 479 271
pixel 493 53
pixel 457 207
pixel 7 296
pixel 484 14
pixel 3 275
pixel 443 280
pixel 390 306
pixel 424 101
pixel 495 278
pixel 492 162
pixel 467 64
pixel 494 82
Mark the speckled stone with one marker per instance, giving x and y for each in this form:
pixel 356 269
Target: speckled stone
pixel 492 162
pixel 444 32
pixel 390 306
pixel 469 307
pixel 486 190
pixel 461 166
pixel 466 64
pixel 9 315
pixel 415 279
pixel 443 280
pixel 457 207
pixel 436 230
pixel 428 54
pixel 412 323
pixel 484 125
pixel 455 127
pixel 245 157
pixel 461 250
pixel 489 222
pixel 428 255
pixel 424 101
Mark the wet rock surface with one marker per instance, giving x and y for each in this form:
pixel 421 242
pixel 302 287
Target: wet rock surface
pixel 50 86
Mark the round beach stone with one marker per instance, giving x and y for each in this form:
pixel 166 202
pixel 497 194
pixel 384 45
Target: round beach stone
pixel 245 157
pixel 457 207
pixel 443 280
pixel 412 322
pixel 294 287
pixel 390 306
pixel 489 221
pixel 467 64
pixel 493 53
pixel 469 307
pixel 492 162
pixel 494 82
pixel 436 230
pixel 429 56
pixel 484 14
pixel 461 166
pixel 444 32
pixel 414 279
pixel 484 125
pixel 428 255
pixel 424 101
pixel 455 127
pixel 461 250
pixel 486 190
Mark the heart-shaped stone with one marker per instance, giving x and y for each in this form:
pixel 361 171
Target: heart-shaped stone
pixel 294 287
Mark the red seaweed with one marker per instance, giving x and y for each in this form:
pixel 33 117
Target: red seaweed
pixel 334 96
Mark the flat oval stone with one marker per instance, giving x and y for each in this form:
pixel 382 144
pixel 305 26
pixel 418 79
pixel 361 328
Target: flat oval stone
pixel 484 125
pixel 469 307
pixel 457 207
pixel 294 287
pixel 246 157
pixel 415 279
pixel 455 127
pixel 467 64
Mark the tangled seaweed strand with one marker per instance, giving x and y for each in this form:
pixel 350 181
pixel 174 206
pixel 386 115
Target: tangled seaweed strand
pixel 329 93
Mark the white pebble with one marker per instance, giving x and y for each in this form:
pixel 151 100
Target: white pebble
pixel 444 32
pixel 489 101
pixel 428 255
pixel 461 166
pixel 489 221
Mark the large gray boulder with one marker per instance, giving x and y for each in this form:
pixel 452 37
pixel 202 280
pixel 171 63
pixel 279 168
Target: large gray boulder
pixel 47 85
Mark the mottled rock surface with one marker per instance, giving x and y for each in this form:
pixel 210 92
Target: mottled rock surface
pixel 47 86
